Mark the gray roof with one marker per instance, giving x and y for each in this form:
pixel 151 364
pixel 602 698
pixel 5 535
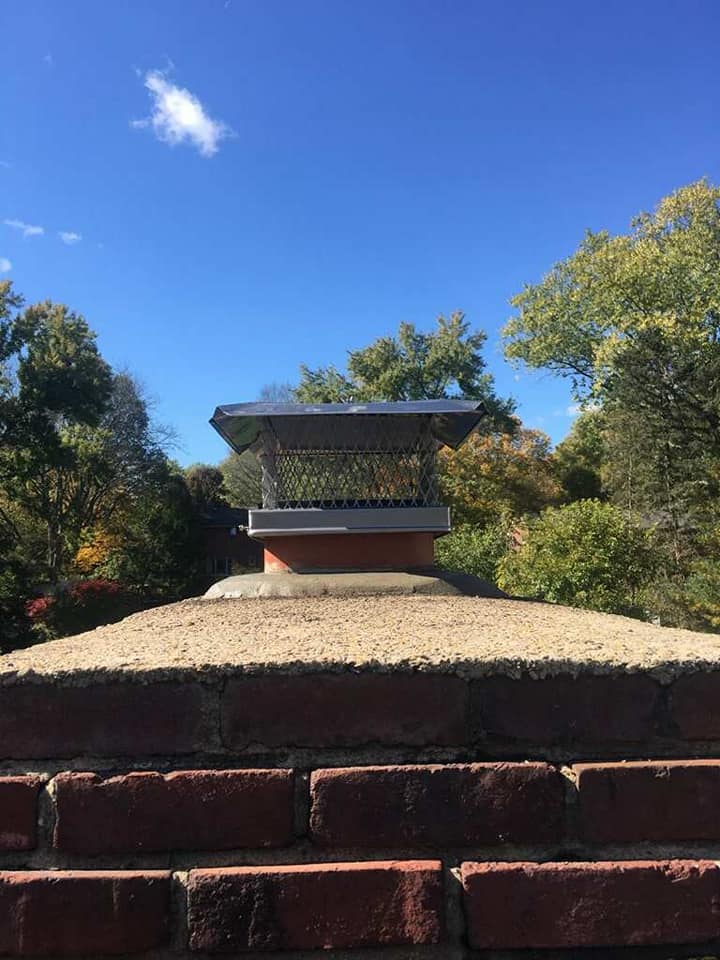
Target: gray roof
pixel 240 424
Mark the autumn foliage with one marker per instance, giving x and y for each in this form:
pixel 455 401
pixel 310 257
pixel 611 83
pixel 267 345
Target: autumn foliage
pixel 498 474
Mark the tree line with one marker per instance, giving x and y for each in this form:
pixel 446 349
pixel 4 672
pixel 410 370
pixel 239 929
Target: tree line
pixel 621 516
pixel 88 493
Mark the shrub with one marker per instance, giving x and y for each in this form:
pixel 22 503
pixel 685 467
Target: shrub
pixel 702 593
pixel 586 554
pixel 84 606
pixel 473 549
pixel 14 586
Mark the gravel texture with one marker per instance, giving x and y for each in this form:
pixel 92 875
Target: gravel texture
pixel 468 636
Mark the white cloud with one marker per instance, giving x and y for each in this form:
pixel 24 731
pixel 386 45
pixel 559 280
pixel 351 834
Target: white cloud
pixel 5 265
pixel 27 229
pixel 179 117
pixel 67 236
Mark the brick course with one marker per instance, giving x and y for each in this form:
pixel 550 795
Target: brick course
pixel 187 810
pixel 124 719
pixel 564 709
pixel 669 800
pixel 331 710
pixel 18 812
pixel 315 906
pixel 695 706
pixel 450 805
pixel 83 913
pixel 613 904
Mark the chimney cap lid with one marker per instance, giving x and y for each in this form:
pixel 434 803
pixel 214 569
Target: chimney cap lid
pixel 239 424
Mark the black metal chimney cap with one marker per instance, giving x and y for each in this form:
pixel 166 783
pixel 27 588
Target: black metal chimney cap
pixel 240 424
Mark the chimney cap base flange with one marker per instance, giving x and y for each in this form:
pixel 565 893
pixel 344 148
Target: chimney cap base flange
pixel 366 583
pixel 264 523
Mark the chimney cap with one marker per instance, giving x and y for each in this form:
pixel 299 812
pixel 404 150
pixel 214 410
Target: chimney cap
pixel 240 424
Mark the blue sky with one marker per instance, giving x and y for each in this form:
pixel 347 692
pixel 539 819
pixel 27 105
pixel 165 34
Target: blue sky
pixel 319 170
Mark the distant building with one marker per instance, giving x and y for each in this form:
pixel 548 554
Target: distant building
pixel 226 545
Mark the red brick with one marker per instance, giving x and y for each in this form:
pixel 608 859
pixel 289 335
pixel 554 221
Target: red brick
pixel 89 913
pixel 344 710
pixel 18 812
pixel 48 720
pixel 315 906
pixel 695 706
pixel 188 810
pixel 664 800
pixel 453 805
pixel 562 709
pixel 611 904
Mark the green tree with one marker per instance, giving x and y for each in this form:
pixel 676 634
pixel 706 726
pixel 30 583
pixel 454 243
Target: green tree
pixel 207 486
pixel 242 478
pixel 634 320
pixel 476 550
pixel 15 588
pixel 702 587
pixel 662 277
pixel 580 456
pixel 53 383
pixel 446 362
pixel 94 470
pixel 156 547
pixel 586 554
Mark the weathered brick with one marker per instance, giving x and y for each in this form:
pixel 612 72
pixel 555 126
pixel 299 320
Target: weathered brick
pixel 331 710
pixel 188 810
pixel 80 914
pixel 564 708
pixel 49 720
pixel 18 812
pixel 451 805
pixel 664 800
pixel 695 706
pixel 315 906
pixel 606 904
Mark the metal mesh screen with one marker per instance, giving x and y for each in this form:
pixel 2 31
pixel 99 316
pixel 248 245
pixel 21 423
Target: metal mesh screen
pixel 342 462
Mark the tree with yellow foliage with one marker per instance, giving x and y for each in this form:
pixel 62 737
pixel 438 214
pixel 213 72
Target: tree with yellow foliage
pixel 495 475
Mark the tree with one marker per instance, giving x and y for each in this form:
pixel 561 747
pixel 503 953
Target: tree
pixel 277 392
pixel 637 316
pixel 156 547
pixel 410 366
pixel 54 385
pixel 15 587
pixel 490 476
pixel 702 588
pixel 61 375
pixel 579 457
pixel 93 470
pixel 634 320
pixel 476 550
pixel 15 332
pixel 207 486
pixel 586 554
pixel 242 478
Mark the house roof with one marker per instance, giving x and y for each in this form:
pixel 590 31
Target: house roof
pixel 222 516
